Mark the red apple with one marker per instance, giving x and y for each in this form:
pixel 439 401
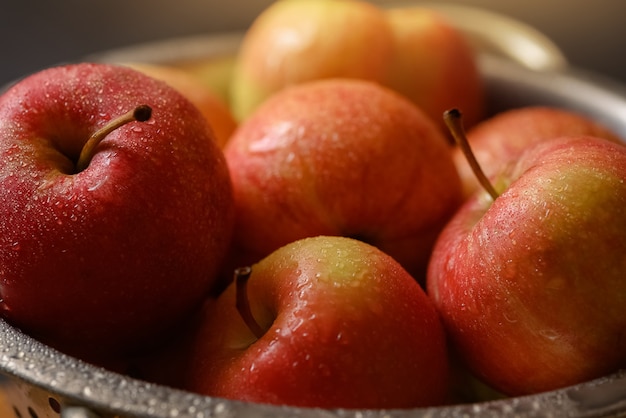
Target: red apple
pixel 101 259
pixel 302 40
pixel 341 157
pixel 499 140
pixel 341 324
pixel 531 285
pixel 434 65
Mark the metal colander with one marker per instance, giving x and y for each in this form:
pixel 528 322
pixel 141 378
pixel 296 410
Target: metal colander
pixel 41 382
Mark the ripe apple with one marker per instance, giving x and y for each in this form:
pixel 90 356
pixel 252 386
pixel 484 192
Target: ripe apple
pixel 338 324
pixel 214 72
pixel 531 285
pixel 434 65
pixel 341 157
pixel 212 107
pixel 111 230
pixel 500 139
pixel 302 40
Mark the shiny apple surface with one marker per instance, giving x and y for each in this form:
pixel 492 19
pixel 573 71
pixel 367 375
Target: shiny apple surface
pixel 44 380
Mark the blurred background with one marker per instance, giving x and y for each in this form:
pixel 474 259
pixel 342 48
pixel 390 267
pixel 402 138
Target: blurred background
pixel 38 33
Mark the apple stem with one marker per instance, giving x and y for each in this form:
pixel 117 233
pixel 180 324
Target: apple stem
pixel 242 274
pixel 140 114
pixel 454 121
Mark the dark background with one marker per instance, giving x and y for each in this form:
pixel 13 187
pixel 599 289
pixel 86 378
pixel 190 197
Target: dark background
pixel 39 33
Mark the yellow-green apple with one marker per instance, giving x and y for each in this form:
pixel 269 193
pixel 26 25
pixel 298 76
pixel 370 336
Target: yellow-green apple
pixel 500 139
pixel 294 41
pixel 111 229
pixel 214 72
pixel 433 64
pixel 341 157
pixel 338 323
pixel 530 286
pixel 212 107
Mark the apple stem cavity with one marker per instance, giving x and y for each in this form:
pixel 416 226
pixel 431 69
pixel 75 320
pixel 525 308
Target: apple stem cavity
pixel 242 274
pixel 139 114
pixel 454 121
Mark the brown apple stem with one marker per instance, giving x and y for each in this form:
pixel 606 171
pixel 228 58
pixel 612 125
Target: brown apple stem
pixel 454 121
pixel 242 274
pixel 140 114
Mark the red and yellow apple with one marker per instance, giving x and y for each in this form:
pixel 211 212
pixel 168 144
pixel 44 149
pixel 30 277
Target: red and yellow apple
pixel 500 139
pixel 340 325
pixel 214 72
pixel 302 40
pixel 531 285
pixel 341 157
pixel 434 65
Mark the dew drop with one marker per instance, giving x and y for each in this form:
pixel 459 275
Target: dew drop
pixel 549 334
pixel 3 306
pixel 97 185
pixel 509 318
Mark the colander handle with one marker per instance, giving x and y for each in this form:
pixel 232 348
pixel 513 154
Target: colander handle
pixel 78 412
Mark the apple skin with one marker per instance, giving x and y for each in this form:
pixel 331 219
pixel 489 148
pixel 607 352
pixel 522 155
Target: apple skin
pixel 104 261
pixel 345 326
pixel 531 286
pixel 500 139
pixel 209 103
pixel 341 157
pixel 296 41
pixel 214 72
pixel 434 65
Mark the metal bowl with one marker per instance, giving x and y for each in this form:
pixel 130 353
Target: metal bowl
pixel 42 382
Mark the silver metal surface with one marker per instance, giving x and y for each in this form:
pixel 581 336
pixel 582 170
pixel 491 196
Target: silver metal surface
pixel 40 379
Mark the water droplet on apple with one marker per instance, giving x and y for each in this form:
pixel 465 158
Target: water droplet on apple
pixel 324 369
pixel 376 307
pixel 549 334
pixel 343 338
pixel 509 318
pixel 137 129
pixel 4 308
pixel 97 185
